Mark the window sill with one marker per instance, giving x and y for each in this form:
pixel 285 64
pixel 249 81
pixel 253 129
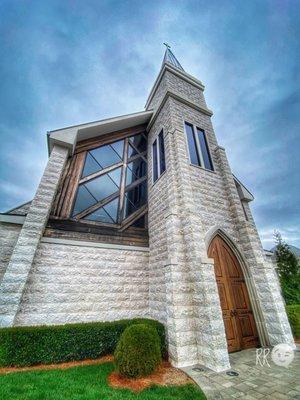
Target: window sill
pixel 203 169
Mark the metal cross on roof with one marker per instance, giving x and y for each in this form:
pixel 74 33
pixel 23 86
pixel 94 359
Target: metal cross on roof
pixel 170 58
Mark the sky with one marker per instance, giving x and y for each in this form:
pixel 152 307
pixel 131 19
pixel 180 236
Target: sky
pixel 74 61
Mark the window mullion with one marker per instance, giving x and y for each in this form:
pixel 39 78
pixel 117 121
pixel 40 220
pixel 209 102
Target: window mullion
pixel 198 147
pixel 123 180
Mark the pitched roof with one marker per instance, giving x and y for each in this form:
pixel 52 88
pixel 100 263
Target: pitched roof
pixel 243 192
pixel 169 58
pixel 22 209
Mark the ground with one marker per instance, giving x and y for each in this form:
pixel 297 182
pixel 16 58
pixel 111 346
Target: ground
pixel 88 382
pixel 254 382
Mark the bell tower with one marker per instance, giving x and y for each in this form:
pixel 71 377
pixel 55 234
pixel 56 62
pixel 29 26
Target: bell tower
pixel 196 198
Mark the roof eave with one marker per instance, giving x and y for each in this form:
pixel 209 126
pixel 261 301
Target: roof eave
pixel 243 192
pixel 69 136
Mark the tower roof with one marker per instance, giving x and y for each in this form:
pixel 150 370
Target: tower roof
pixel 169 58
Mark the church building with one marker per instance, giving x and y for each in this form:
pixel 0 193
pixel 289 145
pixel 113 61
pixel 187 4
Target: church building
pixel 140 215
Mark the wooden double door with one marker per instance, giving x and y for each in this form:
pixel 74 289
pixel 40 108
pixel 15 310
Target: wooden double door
pixel 240 328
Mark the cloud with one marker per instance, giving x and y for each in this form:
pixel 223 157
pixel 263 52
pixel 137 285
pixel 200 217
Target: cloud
pixel 64 63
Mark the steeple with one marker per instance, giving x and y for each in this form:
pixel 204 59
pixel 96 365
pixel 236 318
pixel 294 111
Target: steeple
pixel 169 58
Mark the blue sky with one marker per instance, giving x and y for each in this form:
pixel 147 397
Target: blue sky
pixel 68 62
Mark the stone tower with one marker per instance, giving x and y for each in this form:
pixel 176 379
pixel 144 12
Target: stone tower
pixel 189 206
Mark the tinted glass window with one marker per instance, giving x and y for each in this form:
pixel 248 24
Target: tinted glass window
pixel 204 150
pixel 139 142
pixel 135 198
pixel 139 223
pixel 135 170
pixel 90 166
pixel 192 145
pixel 155 165
pixel 118 148
pixel 107 214
pixel 84 200
pixel 103 157
pixel 106 156
pixel 162 152
pixel 105 185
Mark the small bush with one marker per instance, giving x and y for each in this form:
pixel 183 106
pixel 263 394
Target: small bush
pixel 138 352
pixel 293 312
pixel 23 346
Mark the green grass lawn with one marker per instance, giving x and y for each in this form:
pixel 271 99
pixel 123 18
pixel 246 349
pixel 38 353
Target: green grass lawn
pixel 83 383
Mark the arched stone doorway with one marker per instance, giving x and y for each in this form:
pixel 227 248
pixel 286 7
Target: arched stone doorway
pixel 240 327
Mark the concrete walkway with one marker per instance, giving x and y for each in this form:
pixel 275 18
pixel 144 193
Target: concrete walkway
pixel 253 381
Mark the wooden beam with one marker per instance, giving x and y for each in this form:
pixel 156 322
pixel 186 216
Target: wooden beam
pixel 133 217
pixel 69 198
pixel 90 144
pixel 99 173
pixel 123 181
pixel 93 208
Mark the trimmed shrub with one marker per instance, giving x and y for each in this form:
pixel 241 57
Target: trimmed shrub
pixel 23 346
pixel 293 312
pixel 138 352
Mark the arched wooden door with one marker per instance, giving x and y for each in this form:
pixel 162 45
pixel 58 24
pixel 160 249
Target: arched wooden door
pixel 240 328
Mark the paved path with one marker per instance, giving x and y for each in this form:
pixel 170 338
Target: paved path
pixel 254 382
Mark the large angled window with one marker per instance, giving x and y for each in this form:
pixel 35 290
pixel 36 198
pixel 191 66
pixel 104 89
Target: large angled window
pixel 113 184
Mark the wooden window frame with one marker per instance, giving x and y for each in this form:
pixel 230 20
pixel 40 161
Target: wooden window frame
pixel 72 178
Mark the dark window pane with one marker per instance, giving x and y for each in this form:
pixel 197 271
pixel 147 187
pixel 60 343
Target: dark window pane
pixel 204 150
pixel 129 207
pixel 140 223
pixel 135 198
pixel 115 176
pixel 105 185
pixel 100 215
pixel 118 147
pixel 162 152
pixel 131 151
pixel 139 142
pixel 106 155
pixel 107 214
pixel 112 209
pixel 84 199
pixel 135 170
pixel 90 166
pixel 192 145
pixel 155 166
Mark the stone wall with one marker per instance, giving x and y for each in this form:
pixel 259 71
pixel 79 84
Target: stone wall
pixel 81 284
pixel 158 205
pixel 209 191
pixel 194 325
pixel 20 263
pixel 195 203
pixel 9 234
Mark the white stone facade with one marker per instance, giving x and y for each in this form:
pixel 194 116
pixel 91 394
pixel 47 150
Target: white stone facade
pixel 70 284
pixel 9 234
pixel 172 281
